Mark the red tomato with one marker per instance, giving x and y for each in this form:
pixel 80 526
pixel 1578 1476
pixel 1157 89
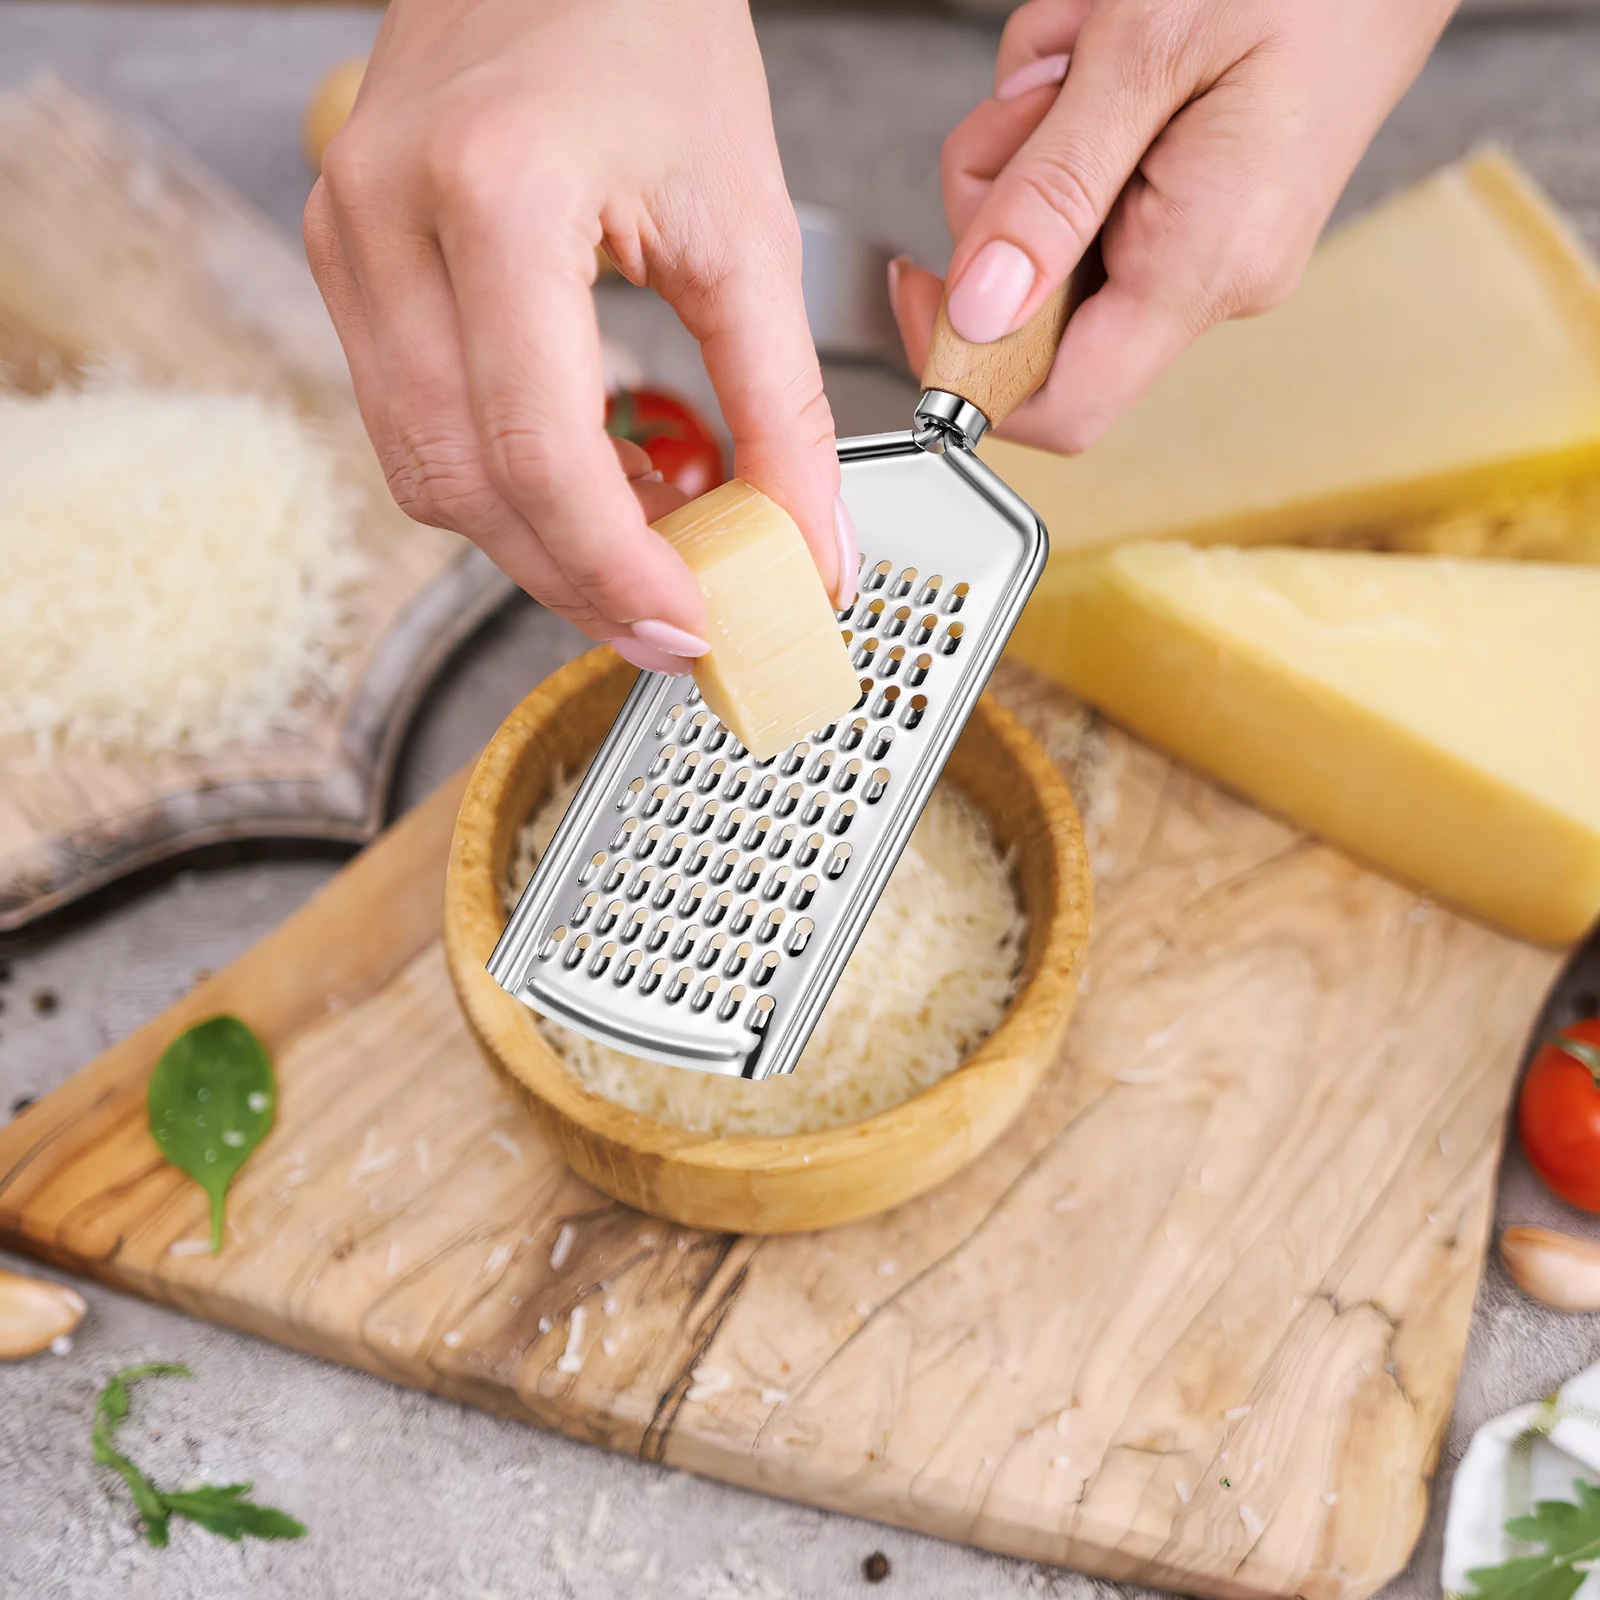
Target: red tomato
pixel 680 445
pixel 1558 1114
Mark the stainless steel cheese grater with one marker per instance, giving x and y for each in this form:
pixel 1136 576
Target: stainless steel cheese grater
pixel 696 907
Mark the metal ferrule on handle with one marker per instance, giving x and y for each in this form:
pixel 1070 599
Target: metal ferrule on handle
pixel 947 418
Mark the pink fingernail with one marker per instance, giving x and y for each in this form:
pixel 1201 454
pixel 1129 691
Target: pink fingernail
pixel 674 641
pixel 985 303
pixel 844 533
pixel 1046 70
pixel 640 655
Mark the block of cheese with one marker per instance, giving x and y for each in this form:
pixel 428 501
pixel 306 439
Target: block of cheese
pixel 778 668
pixel 1439 717
pixel 1442 352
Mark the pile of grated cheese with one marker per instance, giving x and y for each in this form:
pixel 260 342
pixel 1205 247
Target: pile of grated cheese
pixel 177 568
pixel 929 981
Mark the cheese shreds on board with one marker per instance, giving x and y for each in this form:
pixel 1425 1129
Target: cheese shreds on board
pixel 777 668
pixel 176 568
pixel 1438 717
pixel 930 980
pixel 1439 362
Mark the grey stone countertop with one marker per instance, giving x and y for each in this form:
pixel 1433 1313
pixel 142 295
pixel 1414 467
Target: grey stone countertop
pixel 417 1497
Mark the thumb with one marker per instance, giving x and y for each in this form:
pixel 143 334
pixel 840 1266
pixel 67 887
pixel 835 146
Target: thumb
pixel 750 320
pixel 1051 199
pixel 914 296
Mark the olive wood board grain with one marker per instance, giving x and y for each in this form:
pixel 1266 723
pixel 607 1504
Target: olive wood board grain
pixel 1195 1320
pixel 118 253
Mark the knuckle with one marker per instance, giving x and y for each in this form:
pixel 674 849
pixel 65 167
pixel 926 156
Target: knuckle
pixel 1054 177
pixel 349 168
pixel 438 479
pixel 522 463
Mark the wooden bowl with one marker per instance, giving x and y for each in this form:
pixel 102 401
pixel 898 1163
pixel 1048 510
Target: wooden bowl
pixel 800 1181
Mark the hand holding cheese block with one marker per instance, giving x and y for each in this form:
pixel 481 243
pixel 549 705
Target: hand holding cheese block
pixel 1439 717
pixel 777 668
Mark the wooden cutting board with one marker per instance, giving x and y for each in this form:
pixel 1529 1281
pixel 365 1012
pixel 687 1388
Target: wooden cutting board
pixel 116 250
pixel 1194 1321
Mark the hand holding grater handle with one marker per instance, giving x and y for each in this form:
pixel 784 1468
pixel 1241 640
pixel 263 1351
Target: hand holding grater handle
pixel 970 388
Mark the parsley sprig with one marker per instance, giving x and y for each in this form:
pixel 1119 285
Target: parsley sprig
pixel 1570 1534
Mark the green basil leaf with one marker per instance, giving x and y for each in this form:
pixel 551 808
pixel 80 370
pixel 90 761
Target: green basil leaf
pixel 211 1100
pixel 222 1509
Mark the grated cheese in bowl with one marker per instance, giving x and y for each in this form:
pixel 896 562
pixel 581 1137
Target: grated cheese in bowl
pixel 929 981
pixel 177 567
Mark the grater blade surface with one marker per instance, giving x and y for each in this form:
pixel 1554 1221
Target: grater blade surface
pixel 696 907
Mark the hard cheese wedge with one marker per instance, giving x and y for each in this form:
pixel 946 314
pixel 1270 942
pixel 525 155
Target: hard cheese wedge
pixel 778 668
pixel 1442 352
pixel 1439 717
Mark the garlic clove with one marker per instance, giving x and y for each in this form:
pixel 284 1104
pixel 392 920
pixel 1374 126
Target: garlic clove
pixel 1553 1268
pixel 33 1313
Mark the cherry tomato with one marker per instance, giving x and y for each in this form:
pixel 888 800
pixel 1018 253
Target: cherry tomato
pixel 1558 1114
pixel 680 445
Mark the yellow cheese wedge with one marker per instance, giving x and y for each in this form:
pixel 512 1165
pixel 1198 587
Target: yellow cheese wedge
pixel 1440 718
pixel 1442 352
pixel 778 668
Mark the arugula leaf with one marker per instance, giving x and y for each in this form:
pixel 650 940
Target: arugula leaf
pixel 219 1508
pixel 1570 1534
pixel 211 1101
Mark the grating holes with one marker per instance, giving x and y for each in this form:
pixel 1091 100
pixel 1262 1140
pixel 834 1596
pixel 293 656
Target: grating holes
pixel 678 810
pixel 881 741
pixel 660 933
pixel 735 964
pixel 918 670
pixel 761 1013
pixel 627 967
pixel 912 714
pixel 892 662
pixel 686 767
pixel 664 726
pixel 716 738
pixel 807 853
pixel 639 884
pixel 724 867
pixel 898 623
pixel 957 597
pixel 651 981
pixel 718 909
pixel 923 631
pixel 776 880
pixel 853 735
pixel 863 656
pixel 871 614
pixel 632 928
pixel 744 916
pixel 827 733
pixel 866 689
pixel 765 968
pixel 574 952
pixel 876 784
pixel 800 934
pixel 651 839
pixel 794 758
pixel 676 845
pixel 952 639
pixel 677 984
pixel 689 906
pixel 737 784
pixel 685 942
pixel 805 891
pixel 842 817
pixel 731 1002
pixel 763 791
pixel 756 834
pixel 654 801
pixel 602 959
pixel 697 861
pixel 608 917
pixel 885 703
pixel 625 833
pixel 620 868
pixel 845 780
pixel 552 944
pixel 711 950
pixel 902 584
pixel 584 908
pixel 838 861
pixel 731 824
pixel 750 874
pixel 737 751
pixel 705 816
pixel 697 723
pixel 704 995
pixel 663 760
pixel 769 927
pixel 630 794
pixel 814 807
pixel 592 866
pixel 930 590
pixel 712 776
pixel 879 575
pixel 821 766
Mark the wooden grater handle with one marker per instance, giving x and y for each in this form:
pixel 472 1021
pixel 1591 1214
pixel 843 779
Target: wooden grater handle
pixel 998 377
